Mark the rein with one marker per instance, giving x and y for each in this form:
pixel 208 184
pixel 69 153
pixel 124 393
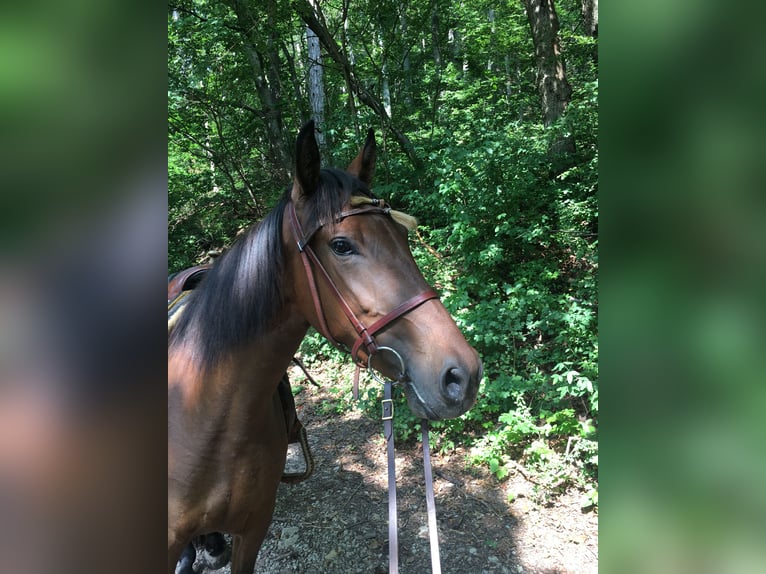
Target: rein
pixel 388 432
pixel 366 337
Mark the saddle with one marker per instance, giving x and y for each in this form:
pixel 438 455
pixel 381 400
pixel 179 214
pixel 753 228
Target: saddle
pixel 186 280
pixel 179 286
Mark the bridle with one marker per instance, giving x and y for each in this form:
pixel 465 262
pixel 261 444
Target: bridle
pixel 366 338
pixel 365 334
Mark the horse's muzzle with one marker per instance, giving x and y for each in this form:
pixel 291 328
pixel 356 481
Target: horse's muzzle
pixel 455 393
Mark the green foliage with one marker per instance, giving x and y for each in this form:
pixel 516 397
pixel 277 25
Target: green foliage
pixel 529 301
pixel 509 234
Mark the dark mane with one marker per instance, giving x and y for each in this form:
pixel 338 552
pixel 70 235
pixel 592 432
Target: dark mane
pixel 238 299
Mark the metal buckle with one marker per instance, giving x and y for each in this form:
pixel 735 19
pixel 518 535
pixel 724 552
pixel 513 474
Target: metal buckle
pixel 390 404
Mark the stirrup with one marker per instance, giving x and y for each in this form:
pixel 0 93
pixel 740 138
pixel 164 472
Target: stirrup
pixel 295 477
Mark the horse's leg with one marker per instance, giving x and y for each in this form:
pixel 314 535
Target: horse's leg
pixel 244 550
pixel 180 545
pixel 247 543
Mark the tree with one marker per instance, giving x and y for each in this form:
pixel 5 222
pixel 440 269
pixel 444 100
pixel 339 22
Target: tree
pixel 313 18
pixel 262 54
pixel 590 17
pixel 555 91
pixel 316 87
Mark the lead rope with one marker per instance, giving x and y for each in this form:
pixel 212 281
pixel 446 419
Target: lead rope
pixel 388 431
pixel 433 533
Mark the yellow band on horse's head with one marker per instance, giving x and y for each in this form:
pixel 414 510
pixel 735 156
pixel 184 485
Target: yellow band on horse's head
pixel 409 222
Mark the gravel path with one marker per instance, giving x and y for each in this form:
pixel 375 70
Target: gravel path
pixel 336 521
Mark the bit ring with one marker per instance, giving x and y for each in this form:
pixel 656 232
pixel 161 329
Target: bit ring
pixel 375 376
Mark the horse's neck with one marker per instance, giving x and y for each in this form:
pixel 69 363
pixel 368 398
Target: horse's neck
pixel 255 381
pixel 244 381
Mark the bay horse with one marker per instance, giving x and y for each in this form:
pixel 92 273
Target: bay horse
pixel 330 255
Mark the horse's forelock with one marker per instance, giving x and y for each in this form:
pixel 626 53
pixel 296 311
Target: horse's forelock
pixel 334 192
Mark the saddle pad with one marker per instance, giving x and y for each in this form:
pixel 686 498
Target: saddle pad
pixel 175 308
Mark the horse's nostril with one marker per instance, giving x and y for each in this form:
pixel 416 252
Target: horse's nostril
pixel 453 384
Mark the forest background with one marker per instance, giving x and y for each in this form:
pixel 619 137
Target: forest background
pixel 486 118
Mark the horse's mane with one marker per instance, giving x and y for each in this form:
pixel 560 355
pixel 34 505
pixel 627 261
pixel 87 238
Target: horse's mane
pixel 238 299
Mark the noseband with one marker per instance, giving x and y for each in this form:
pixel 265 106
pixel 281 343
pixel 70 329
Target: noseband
pixel 365 335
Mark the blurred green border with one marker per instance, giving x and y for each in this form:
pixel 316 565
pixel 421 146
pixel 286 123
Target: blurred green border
pixel 683 269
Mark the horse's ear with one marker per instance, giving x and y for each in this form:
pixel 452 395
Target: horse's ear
pixel 306 162
pixel 363 165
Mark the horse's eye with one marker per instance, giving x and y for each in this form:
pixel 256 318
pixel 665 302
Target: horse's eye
pixel 342 246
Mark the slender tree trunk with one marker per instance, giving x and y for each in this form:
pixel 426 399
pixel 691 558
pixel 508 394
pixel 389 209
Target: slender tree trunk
pixel 348 54
pixel 316 87
pixel 590 17
pixel 385 88
pixel 272 53
pixel 491 18
pixel 552 83
pixel 435 35
pixel 312 18
pixel 437 55
pixel 406 60
pixel 294 78
pixel 590 21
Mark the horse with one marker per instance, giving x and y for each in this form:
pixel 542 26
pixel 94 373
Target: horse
pixel 329 255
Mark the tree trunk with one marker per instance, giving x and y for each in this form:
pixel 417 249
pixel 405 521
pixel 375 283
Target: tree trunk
pixel 590 17
pixel 590 22
pixel 348 54
pixel 267 85
pixel 312 18
pixel 435 36
pixel 552 83
pixel 491 19
pixel 316 87
pixel 437 55
pixel 385 88
pixel 294 78
pixel 406 66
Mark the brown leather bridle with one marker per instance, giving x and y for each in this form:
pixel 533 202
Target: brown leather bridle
pixel 365 335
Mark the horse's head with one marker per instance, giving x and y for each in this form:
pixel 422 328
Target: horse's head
pixel 358 284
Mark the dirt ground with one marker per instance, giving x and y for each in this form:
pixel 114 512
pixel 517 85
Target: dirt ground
pixel 336 521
